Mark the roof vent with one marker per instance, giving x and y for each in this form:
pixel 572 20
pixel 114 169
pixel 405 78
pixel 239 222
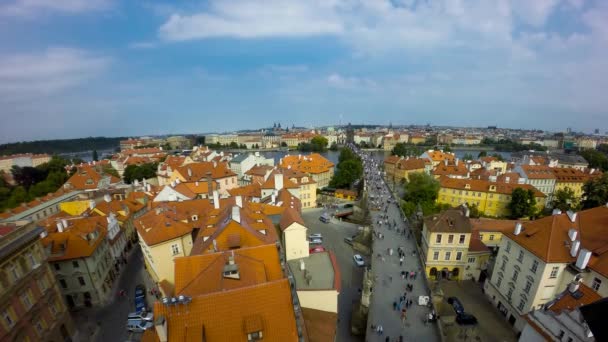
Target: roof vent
pixel 571 216
pixel 231 270
pixel 574 248
pixel 239 201
pixel 44 234
pixel 583 259
pixel 236 214
pixel 302 265
pixel 216 199
pixel 107 198
pixel 556 211
pixel 572 233
pixel 518 228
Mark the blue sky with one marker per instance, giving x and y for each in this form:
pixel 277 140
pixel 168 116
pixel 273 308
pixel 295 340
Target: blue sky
pixel 73 68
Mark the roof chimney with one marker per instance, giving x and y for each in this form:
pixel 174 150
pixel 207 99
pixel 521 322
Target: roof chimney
pixel 574 285
pixel 556 211
pixel 216 199
pixel 209 183
pixel 59 227
pixel 160 325
pixel 91 204
pixel 583 259
pixel 239 201
pixel 278 181
pixel 107 198
pixel 571 216
pixel 236 214
pixel 572 234
pixel 189 172
pixel 518 228
pixel 273 198
pixel 574 248
pixel 148 187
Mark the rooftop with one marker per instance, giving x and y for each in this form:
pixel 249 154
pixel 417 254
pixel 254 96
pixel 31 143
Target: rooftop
pixel 323 271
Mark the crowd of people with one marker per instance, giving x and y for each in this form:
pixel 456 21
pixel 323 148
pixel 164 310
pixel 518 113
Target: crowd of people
pixel 389 221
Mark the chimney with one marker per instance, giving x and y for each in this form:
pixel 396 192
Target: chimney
pixel 278 181
pixel 445 162
pixel 196 183
pixel 59 227
pixel 574 249
pixel 239 201
pixel 571 216
pixel 209 183
pixel 573 286
pixel 236 214
pixel 91 204
pixel 148 187
pixel 107 198
pixel 583 259
pixel 556 211
pixel 456 162
pixel 216 199
pixel 189 172
pixel 302 265
pixel 214 164
pixel 518 228
pixel 572 233
pixel 160 324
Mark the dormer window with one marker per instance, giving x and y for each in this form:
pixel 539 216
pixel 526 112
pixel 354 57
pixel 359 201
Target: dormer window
pixel 89 181
pixel 467 186
pixel 255 336
pixel 492 187
pixel 194 217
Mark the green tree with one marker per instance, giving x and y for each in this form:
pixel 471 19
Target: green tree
pixel 233 144
pixel 18 196
pixel 482 154
pixel 565 199
pixel 421 188
pixel 108 169
pixel 346 154
pixel 467 156
pixel 474 211
pixel 305 147
pixel 319 143
pixel 283 144
pixel 523 203
pixel 498 156
pixel 27 176
pixel 447 148
pixel 95 156
pixel 405 150
pixel 347 173
pixel 596 159
pixel 133 172
pixel 595 192
pixel 333 147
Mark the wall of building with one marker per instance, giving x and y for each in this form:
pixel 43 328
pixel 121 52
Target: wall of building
pixel 295 241
pixel 324 300
pixel 160 256
pixel 432 249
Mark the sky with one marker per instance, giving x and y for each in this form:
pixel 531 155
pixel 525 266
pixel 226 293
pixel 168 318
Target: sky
pixel 77 68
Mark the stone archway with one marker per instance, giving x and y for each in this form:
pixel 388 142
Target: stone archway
pixel 433 272
pixel 445 273
pixel 455 272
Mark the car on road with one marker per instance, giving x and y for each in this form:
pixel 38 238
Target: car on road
pixel 143 316
pixel 348 240
pixel 316 242
pixel 359 260
pixel 140 298
pixel 325 218
pixel 317 249
pixel 466 319
pixel 315 236
pixel 139 327
pixel 456 304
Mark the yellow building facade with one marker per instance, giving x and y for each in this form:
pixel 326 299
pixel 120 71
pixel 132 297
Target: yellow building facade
pixel 491 198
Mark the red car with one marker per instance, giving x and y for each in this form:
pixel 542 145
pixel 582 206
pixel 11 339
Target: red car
pixel 318 249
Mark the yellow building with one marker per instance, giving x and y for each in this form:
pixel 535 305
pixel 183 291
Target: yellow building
pixel 417 139
pixel 398 169
pixel 346 194
pixel 572 178
pixel 491 198
pixel 490 231
pixel 446 240
pixel 438 156
pixel 315 165
pixel 76 208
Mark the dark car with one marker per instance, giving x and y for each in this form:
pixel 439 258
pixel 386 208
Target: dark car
pixel 140 298
pixel 456 304
pixel 466 319
pixel 348 240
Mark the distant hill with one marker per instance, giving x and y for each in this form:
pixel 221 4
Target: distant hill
pixel 61 146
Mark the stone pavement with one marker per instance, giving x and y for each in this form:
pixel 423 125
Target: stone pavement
pixel 388 284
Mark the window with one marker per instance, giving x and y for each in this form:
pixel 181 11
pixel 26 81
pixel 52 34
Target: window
pixel 504 265
pixel 32 259
pixel 510 293
pixel 450 238
pixel 596 284
pixel 436 256
pixel 14 272
pixel 491 237
pixel 254 336
pixel 461 240
pixel 471 260
pixel 528 286
pixel 25 299
pixel 8 318
pixel 175 249
pixel 554 271
pixel 498 281
pixel 561 334
pixel 42 284
pixel 515 275
pixel 520 257
pixel 75 264
pixel 480 236
pixel 81 281
pixel 57 267
pixel 534 266
pixel 63 283
pixel 438 238
pixel 448 255
pixel 508 249
pixel 458 255
pixel 521 305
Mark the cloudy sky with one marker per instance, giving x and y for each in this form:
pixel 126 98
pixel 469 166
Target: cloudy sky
pixel 73 68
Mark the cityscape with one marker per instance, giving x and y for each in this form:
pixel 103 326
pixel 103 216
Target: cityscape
pixel 303 170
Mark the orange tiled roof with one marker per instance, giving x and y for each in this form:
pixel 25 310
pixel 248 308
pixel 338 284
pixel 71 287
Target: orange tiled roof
pixel 538 171
pixel 87 178
pixel 248 191
pixel 174 161
pixel 491 225
pixel 484 186
pixel 450 170
pixel 197 171
pixel 287 184
pixel 411 164
pixel 476 245
pixel 259 170
pixel 313 163
pixel 435 155
pixel 569 175
pixel 76 240
pixel 568 302
pixel 290 215
pixel 159 226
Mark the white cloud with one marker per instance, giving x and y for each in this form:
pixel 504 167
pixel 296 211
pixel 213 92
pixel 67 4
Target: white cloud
pixel 534 12
pixel 27 76
pixel 143 45
pixel 253 19
pixel 29 8
pixel 350 82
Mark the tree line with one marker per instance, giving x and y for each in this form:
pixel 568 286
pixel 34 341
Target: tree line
pixel 348 171
pixel 61 145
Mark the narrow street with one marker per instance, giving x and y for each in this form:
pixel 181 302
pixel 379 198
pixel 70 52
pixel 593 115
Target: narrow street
pixel 388 284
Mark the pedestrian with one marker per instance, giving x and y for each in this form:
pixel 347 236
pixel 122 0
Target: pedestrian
pixel 394 305
pixel 407 274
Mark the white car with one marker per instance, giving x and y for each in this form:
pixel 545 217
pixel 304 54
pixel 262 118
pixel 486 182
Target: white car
pixel 359 260
pixel 316 241
pixel 315 236
pixel 144 316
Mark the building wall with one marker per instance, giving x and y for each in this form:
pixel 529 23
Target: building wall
pixel 295 241
pixel 529 334
pixel 74 208
pixel 490 238
pixel 576 187
pixel 308 195
pixel 489 203
pixel 160 256
pixel 444 255
pixel 324 300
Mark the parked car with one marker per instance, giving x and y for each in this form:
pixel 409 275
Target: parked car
pixel 140 298
pixel 466 319
pixel 324 218
pixel 317 249
pixel 143 315
pixel 456 304
pixel 348 240
pixel 315 236
pixel 139 327
pixel 316 242
pixel 359 260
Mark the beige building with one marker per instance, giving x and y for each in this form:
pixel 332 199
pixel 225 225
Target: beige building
pixel 539 258
pixel 294 237
pixel 319 168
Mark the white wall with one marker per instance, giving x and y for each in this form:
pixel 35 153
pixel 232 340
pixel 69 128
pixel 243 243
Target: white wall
pixel 296 241
pixel 319 300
